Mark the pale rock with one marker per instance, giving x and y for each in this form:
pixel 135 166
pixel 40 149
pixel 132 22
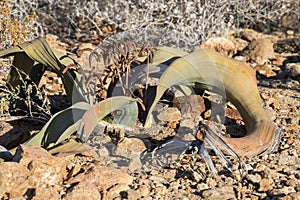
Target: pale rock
pixel 219 193
pixel 265 184
pixel 15 180
pixel 254 178
pixel 114 192
pixel 46 193
pixel 220 44
pixel 130 147
pixel 266 70
pixel 46 169
pixel 249 34
pixel 105 177
pixel 169 114
pixel 294 69
pixel 84 190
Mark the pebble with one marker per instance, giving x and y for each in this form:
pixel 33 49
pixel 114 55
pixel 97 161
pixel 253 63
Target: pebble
pixel 294 69
pixel 254 178
pixel 285 190
pixel 265 185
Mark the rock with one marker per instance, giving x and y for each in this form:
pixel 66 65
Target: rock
pixel 116 191
pixel 143 190
pixel 130 147
pixel 170 114
pixel 265 184
pixel 133 195
pixel 233 113
pixel 294 69
pixel 15 180
pixel 254 178
pixel 249 34
pixel 45 193
pixel 84 190
pixel 105 177
pixel 220 44
pixel 293 182
pixel 265 70
pixel 260 50
pixel 240 44
pixel 219 193
pixel 286 160
pixel 190 106
pixel 282 191
pixel 46 169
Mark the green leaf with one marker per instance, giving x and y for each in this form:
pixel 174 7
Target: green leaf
pixel 39 51
pixel 128 112
pixel 163 54
pixel 202 66
pixel 60 126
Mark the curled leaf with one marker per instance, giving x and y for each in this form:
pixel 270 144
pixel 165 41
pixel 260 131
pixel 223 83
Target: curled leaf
pixel 127 114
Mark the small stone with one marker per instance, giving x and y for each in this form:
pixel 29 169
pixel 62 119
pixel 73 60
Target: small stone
pixel 293 182
pixel 249 34
pixel 211 182
pixel 133 195
pixel 265 185
pixel 265 70
pixel 197 177
pixel 130 147
pixel 190 106
pixel 220 44
pixel 254 178
pixel 233 113
pixel 143 190
pixel 284 190
pixel 84 190
pixel 169 114
pixel 294 69
pixel 290 32
pixel 219 193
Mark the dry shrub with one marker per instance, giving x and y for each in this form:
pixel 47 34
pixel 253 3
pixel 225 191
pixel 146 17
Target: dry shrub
pixel 187 22
pixel 16 23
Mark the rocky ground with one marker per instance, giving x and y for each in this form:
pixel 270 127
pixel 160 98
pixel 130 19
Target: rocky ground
pixel 34 173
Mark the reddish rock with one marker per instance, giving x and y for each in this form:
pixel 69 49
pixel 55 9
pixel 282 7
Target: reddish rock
pixel 190 106
pixel 15 180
